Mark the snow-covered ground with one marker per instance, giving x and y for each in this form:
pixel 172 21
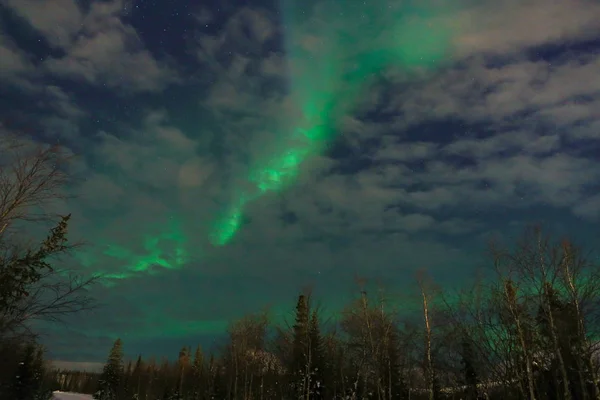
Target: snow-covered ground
pixel 70 396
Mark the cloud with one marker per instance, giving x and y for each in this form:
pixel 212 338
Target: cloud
pixel 479 90
pixel 62 103
pixel 523 118
pixel 410 151
pixel 246 30
pixel 203 16
pixel 58 21
pixel 589 207
pixel 502 142
pixel 99 47
pixel 194 172
pixel 510 170
pixel 152 156
pixel 514 162
pixel 99 191
pixel 512 25
pixel 13 62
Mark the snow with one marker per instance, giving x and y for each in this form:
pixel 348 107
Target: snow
pixel 58 395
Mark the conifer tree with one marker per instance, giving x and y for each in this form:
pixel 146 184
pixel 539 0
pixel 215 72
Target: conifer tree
pixel 468 367
pixel 127 379
pixel 152 378
pixel 214 384
pixel 317 369
pixel 183 363
pixel 197 374
pixel 136 378
pixel 110 382
pixel 28 384
pixel 307 365
pixel 300 350
pixel 167 380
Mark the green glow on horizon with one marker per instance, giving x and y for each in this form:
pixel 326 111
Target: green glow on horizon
pixel 327 90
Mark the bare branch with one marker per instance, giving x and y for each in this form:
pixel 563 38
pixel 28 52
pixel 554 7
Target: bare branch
pixel 32 177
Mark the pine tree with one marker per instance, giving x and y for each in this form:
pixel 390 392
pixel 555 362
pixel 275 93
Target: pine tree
pixel 300 351
pixel 44 390
pixel 28 384
pixel 136 378
pixel 151 383
pixel 307 365
pixel 167 380
pixel 126 380
pixel 317 369
pixel 183 363
pixel 110 382
pixel 197 374
pixel 469 371
pixel 18 274
pixel 218 385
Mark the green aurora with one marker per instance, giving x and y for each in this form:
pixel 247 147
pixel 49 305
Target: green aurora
pixel 165 250
pixel 324 89
pixel 325 83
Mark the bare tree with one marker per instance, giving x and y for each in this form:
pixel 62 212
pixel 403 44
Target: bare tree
pixel 550 296
pixel 247 358
pixel 32 178
pixel 477 315
pixel 581 280
pixel 427 289
pixel 536 264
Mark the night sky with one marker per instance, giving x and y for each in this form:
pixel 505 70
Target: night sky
pixel 232 153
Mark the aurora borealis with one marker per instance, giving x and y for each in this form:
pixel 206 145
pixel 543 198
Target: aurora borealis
pixel 323 90
pixel 231 154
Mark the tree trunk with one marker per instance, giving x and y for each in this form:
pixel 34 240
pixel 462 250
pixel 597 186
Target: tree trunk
pixel 556 347
pixel 428 360
pixel 581 331
pixel 511 302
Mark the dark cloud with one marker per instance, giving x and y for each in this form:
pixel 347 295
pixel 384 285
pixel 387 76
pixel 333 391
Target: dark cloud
pixel 97 46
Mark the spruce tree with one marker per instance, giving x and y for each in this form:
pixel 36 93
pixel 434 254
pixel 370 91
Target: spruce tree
pixel 307 366
pixel 183 363
pixel 152 382
pixel 136 378
pixel 317 362
pixel 28 383
pixel 44 389
pixel 110 382
pixel 197 374
pixel 126 380
pixel 469 371
pixel 300 350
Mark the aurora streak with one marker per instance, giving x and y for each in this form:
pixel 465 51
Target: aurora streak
pixel 328 70
pixel 326 83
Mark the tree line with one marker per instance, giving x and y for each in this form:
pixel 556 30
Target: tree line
pixel 528 331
